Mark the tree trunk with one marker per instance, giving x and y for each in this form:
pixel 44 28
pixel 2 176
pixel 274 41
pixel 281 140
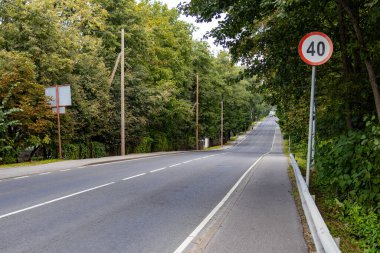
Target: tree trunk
pixel 346 68
pixel 364 50
pixel 33 153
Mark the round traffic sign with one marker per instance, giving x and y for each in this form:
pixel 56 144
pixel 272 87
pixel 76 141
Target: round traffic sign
pixel 315 48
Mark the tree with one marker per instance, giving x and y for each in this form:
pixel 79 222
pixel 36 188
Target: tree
pixel 26 116
pixel 5 123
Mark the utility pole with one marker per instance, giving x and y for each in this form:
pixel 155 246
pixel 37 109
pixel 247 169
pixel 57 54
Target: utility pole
pixel 122 95
pixel 221 123
pixel 197 115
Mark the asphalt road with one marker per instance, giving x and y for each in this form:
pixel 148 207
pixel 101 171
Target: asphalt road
pixel 155 204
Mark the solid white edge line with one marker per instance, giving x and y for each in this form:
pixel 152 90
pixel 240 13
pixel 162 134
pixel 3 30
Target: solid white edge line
pixel 66 169
pixel 139 175
pixel 53 200
pixel 20 177
pixel 193 234
pixel 152 171
pixel 196 231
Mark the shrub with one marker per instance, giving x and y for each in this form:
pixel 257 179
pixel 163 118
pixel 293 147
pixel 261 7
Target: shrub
pixel 350 165
pixel 98 149
pixel 70 151
pixel 145 145
pixel 361 224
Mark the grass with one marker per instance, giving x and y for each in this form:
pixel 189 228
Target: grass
pixel 233 138
pixel 213 147
pixel 29 163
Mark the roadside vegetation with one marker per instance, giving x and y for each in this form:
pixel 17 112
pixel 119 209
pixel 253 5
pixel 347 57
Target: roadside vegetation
pixel 76 42
pixel 31 163
pixel 264 35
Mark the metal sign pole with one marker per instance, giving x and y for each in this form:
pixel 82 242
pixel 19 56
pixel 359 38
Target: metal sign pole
pixel 58 121
pixel 310 125
pixel 312 163
pixel 221 123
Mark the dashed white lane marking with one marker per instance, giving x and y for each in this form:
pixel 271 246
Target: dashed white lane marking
pixel 44 173
pixel 53 200
pixel 123 161
pixel 174 165
pixel 152 171
pixel 20 177
pixel 84 191
pixel 139 175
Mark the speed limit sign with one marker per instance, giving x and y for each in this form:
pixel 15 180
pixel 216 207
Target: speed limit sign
pixel 315 48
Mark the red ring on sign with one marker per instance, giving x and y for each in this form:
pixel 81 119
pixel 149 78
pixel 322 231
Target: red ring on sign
pixel 310 62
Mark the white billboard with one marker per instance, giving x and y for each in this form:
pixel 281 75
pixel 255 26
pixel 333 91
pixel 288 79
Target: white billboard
pixel 64 92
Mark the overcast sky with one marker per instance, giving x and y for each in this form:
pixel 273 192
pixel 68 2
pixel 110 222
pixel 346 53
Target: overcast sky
pixel 202 27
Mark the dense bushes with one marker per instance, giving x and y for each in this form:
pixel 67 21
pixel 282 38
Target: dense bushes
pixel 350 165
pixel 83 151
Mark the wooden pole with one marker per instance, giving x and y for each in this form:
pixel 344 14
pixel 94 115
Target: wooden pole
pixel 58 121
pixel 114 70
pixel 221 124
pixel 122 95
pixel 197 115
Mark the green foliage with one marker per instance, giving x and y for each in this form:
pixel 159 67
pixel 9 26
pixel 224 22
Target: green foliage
pixel 70 151
pixel 25 114
pixel 98 149
pixel 358 222
pixel 145 145
pixel 76 42
pixel 82 151
pixel 160 142
pixel 5 123
pixel 350 164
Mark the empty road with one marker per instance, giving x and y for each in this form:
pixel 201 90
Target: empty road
pixel 235 200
